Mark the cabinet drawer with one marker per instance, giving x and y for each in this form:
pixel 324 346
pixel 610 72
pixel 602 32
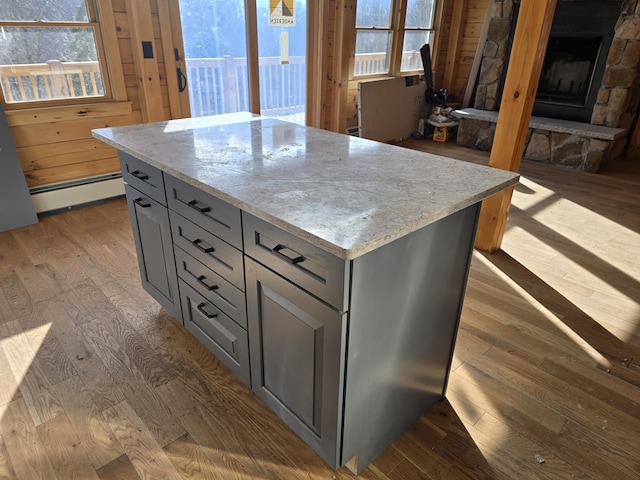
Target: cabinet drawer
pixel 221 335
pixel 145 178
pixel 205 247
pixel 306 265
pixel 212 286
pixel 212 214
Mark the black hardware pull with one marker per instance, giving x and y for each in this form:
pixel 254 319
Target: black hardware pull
pixel 280 249
pixel 204 312
pixel 182 80
pixel 194 204
pixel 140 175
pixel 141 203
pixel 201 279
pixel 196 243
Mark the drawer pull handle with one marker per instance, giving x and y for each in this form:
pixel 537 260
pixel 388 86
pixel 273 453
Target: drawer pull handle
pixel 194 204
pixel 196 243
pixel 201 279
pixel 293 259
pixel 139 175
pixel 204 312
pixel 141 203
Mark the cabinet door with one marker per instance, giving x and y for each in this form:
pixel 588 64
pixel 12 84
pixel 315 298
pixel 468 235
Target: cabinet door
pixel 296 345
pixel 152 235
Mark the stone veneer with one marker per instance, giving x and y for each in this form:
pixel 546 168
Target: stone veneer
pixel 617 103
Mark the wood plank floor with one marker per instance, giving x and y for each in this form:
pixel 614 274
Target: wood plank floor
pixel 98 382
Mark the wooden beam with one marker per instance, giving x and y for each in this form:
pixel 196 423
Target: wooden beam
pixel 343 55
pixel 111 50
pixel 171 32
pixel 523 73
pixel 253 62
pixel 147 74
pixel 316 71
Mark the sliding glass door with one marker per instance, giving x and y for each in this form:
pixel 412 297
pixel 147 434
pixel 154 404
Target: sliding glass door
pixel 217 56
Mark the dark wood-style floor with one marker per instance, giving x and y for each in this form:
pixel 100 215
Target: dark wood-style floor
pixel 98 382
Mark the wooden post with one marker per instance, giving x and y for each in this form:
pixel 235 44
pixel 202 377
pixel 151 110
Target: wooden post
pixel 141 27
pixel 523 73
pixel 173 49
pixel 343 56
pixel 253 61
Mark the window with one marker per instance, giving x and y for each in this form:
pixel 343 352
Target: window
pixel 49 50
pixel 389 34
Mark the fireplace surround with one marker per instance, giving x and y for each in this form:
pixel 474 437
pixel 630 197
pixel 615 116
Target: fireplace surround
pixel 610 101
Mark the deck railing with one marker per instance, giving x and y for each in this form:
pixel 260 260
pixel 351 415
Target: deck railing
pixel 217 85
pixel 51 80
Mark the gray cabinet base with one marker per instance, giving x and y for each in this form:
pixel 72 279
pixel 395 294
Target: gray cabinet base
pixel 406 299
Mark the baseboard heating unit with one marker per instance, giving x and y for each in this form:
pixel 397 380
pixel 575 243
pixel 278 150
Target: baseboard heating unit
pixel 77 192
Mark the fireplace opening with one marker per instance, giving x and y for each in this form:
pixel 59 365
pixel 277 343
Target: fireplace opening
pixel 567 70
pixel 575 59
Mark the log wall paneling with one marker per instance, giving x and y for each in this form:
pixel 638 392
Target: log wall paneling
pixel 453 46
pixel 521 83
pixel 344 46
pixel 147 72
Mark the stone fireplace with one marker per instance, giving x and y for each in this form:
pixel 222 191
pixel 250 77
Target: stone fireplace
pixel 589 87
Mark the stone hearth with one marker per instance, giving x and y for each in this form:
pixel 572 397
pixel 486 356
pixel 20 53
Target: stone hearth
pixel 617 103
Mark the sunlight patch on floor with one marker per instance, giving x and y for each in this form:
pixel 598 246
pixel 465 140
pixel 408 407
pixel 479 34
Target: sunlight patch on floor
pixel 20 350
pixel 542 310
pixel 608 249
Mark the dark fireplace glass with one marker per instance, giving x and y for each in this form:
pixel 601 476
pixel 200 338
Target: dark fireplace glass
pixel 567 70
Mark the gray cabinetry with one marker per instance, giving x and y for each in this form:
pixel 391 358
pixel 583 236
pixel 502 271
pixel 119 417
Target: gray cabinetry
pixel 152 235
pixel 348 353
pixel 207 235
pixel 297 345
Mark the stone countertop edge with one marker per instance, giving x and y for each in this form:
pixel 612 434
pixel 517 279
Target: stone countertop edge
pixel 345 253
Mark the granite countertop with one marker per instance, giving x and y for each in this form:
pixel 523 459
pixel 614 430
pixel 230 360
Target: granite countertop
pixel 344 194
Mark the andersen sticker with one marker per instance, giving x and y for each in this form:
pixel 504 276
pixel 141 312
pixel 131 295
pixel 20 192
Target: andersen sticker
pixel 281 13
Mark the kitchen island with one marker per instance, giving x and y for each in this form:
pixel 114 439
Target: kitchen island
pixel 325 270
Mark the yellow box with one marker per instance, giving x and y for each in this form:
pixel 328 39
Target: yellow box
pixel 441 134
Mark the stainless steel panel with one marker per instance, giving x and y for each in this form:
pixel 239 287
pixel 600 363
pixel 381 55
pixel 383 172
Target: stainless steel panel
pixel 221 335
pixel 315 270
pixel 212 286
pixel 297 358
pixel 403 319
pixel 208 249
pixel 143 177
pixel 206 211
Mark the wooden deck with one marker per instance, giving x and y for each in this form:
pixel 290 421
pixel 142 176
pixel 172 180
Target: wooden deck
pixel 97 382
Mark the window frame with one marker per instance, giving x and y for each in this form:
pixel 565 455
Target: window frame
pixel 93 14
pixel 397 29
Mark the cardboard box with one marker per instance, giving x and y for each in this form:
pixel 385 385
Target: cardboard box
pixel 442 134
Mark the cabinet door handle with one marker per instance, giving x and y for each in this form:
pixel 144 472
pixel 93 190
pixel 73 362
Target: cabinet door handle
pixel 194 204
pixel 204 312
pixel 201 280
pixel 141 203
pixel 293 259
pixel 196 243
pixel 140 175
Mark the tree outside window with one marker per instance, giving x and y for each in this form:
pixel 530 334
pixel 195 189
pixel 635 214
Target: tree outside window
pixel 49 51
pixel 389 34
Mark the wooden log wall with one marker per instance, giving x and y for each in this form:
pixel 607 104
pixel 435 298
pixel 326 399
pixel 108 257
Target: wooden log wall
pixel 54 143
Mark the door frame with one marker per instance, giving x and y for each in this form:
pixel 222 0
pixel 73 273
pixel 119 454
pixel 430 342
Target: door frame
pixel 173 49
